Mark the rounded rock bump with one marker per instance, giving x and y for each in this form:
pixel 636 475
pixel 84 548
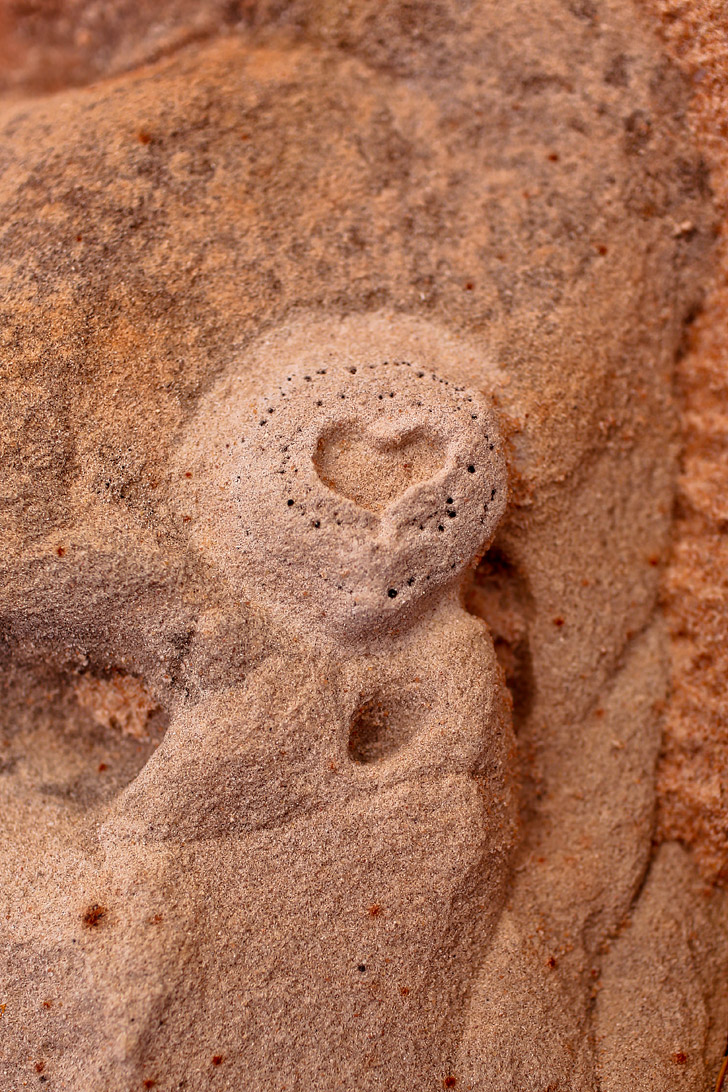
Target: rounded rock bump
pixel 352 494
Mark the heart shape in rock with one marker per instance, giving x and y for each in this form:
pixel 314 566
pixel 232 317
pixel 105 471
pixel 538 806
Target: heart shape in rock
pixel 373 470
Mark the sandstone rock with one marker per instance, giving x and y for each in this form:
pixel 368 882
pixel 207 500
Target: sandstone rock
pixel 315 879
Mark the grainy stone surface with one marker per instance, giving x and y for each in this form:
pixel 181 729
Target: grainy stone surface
pixel 316 878
pixel 353 493
pixel 694 768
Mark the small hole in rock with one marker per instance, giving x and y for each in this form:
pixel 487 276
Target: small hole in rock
pixel 392 593
pixel 383 725
pixel 499 594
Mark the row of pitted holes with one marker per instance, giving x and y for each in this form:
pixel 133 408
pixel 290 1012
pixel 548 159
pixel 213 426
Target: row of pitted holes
pixel 382 727
pixel 451 512
pixel 392 394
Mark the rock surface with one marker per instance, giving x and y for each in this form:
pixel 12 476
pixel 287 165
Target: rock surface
pixel 313 880
pixel 694 769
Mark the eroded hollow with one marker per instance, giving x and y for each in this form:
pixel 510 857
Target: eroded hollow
pixel 76 740
pixel 380 728
pixel 373 471
pixel 498 593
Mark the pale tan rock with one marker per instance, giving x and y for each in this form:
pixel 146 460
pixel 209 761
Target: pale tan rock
pixel 493 196
pixel 654 1025
pixel 355 490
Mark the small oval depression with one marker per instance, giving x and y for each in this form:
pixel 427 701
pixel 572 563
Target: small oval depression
pixel 380 728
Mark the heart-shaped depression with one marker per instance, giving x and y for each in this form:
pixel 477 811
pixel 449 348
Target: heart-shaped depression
pixel 372 467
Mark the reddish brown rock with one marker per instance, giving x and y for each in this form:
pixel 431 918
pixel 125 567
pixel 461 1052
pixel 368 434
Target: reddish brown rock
pixel 694 770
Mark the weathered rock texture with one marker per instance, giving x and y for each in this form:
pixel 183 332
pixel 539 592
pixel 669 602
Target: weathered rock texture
pixel 694 770
pixel 315 879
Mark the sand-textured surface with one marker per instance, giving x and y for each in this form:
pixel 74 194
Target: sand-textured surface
pixel 694 770
pixel 339 449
